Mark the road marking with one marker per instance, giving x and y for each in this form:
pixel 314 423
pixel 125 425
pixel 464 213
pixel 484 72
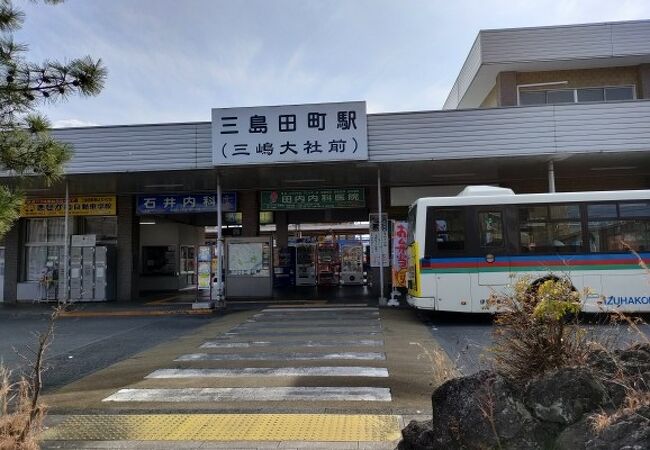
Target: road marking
pixel 316 332
pixel 227 428
pixel 312 323
pixel 374 372
pixel 310 310
pixel 366 356
pixel 261 328
pixel 328 343
pixel 275 394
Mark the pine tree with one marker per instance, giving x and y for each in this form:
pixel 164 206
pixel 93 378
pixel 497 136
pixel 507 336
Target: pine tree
pixel 27 150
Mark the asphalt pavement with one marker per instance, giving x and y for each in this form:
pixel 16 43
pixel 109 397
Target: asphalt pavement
pixel 81 346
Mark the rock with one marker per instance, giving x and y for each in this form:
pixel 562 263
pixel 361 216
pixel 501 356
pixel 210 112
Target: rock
pixel 417 436
pixel 573 437
pixel 629 431
pixel 564 395
pixel 470 412
pixel 620 369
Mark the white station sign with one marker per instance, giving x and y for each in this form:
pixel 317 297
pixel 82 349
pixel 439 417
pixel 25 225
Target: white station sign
pixel 320 132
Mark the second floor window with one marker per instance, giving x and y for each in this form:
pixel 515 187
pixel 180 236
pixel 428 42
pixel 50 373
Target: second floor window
pixel 534 96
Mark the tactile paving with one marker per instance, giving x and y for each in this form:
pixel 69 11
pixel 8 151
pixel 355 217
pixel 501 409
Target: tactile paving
pixel 226 427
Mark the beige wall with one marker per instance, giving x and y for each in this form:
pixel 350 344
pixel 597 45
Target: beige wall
pixel 609 76
pixel 490 100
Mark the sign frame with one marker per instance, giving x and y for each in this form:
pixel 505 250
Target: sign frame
pixel 305 133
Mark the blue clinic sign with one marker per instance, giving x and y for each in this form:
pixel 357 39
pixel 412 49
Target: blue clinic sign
pixel 185 203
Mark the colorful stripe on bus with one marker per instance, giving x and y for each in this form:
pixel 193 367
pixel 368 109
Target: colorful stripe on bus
pixel 535 263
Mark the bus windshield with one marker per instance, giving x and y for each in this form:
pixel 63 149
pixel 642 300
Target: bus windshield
pixel 411 221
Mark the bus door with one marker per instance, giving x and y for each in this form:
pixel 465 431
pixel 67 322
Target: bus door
pixel 446 259
pixel 493 264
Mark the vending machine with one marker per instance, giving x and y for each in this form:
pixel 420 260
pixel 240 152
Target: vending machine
pixel 305 264
pixel 352 263
pixel 328 263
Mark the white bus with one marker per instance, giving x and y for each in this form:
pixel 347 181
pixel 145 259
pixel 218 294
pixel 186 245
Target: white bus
pixel 464 248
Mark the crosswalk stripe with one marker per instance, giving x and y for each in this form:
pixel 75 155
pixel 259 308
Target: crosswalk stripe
pixel 310 310
pixel 297 356
pixel 316 332
pixel 374 372
pixel 296 393
pixel 282 343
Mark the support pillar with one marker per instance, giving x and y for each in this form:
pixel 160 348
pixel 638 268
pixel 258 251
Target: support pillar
pixel 373 206
pixel 281 229
pixel 551 176
pixel 249 207
pixel 644 79
pixel 13 262
pixel 507 89
pixel 128 250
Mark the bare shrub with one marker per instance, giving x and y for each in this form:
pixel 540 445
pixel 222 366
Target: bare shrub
pixel 532 334
pixel 21 410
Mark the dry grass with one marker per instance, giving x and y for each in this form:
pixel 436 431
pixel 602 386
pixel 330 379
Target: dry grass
pixel 532 334
pixel 634 400
pixel 21 409
pixel 20 424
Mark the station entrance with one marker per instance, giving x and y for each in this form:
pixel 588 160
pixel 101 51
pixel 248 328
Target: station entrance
pixel 317 252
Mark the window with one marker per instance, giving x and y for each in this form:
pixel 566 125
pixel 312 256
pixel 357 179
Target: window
pixel 413 212
pixel 44 243
pixel 613 94
pixel 550 229
pixel 619 227
pixel 560 96
pixel 104 227
pixel 491 229
pixel 591 95
pixel 534 96
pixel 449 227
pixel 159 260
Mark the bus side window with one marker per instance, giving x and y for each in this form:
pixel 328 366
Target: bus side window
pixel 491 228
pixel 450 229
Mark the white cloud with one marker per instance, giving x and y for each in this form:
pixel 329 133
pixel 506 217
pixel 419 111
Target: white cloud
pixel 68 123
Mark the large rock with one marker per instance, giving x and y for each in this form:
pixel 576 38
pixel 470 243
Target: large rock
pixel 630 431
pixel 470 412
pixel 562 396
pixel 620 369
pixel 417 436
pixel 573 437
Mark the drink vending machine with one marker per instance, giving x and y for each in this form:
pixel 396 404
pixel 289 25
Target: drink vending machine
pixel 305 264
pixel 91 271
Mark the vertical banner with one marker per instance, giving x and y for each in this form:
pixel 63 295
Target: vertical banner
pixel 204 266
pixel 400 261
pixel 379 240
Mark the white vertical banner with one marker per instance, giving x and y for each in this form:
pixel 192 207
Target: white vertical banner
pixel 379 248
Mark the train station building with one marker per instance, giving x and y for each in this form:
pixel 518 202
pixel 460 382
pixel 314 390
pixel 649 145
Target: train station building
pixel 299 188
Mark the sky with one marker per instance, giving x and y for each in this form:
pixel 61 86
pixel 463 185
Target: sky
pixel 173 61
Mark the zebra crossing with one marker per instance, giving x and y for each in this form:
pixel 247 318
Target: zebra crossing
pixel 287 355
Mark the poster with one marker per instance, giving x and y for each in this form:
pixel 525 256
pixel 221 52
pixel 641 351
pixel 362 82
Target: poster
pixel 79 205
pixel 379 251
pixel 399 263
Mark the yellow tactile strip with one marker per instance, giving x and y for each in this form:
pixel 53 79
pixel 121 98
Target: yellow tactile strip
pixel 226 427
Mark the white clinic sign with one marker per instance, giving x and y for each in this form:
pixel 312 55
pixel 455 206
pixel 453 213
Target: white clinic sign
pixel 321 132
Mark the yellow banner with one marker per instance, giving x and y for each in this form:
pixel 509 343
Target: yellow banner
pixel 80 205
